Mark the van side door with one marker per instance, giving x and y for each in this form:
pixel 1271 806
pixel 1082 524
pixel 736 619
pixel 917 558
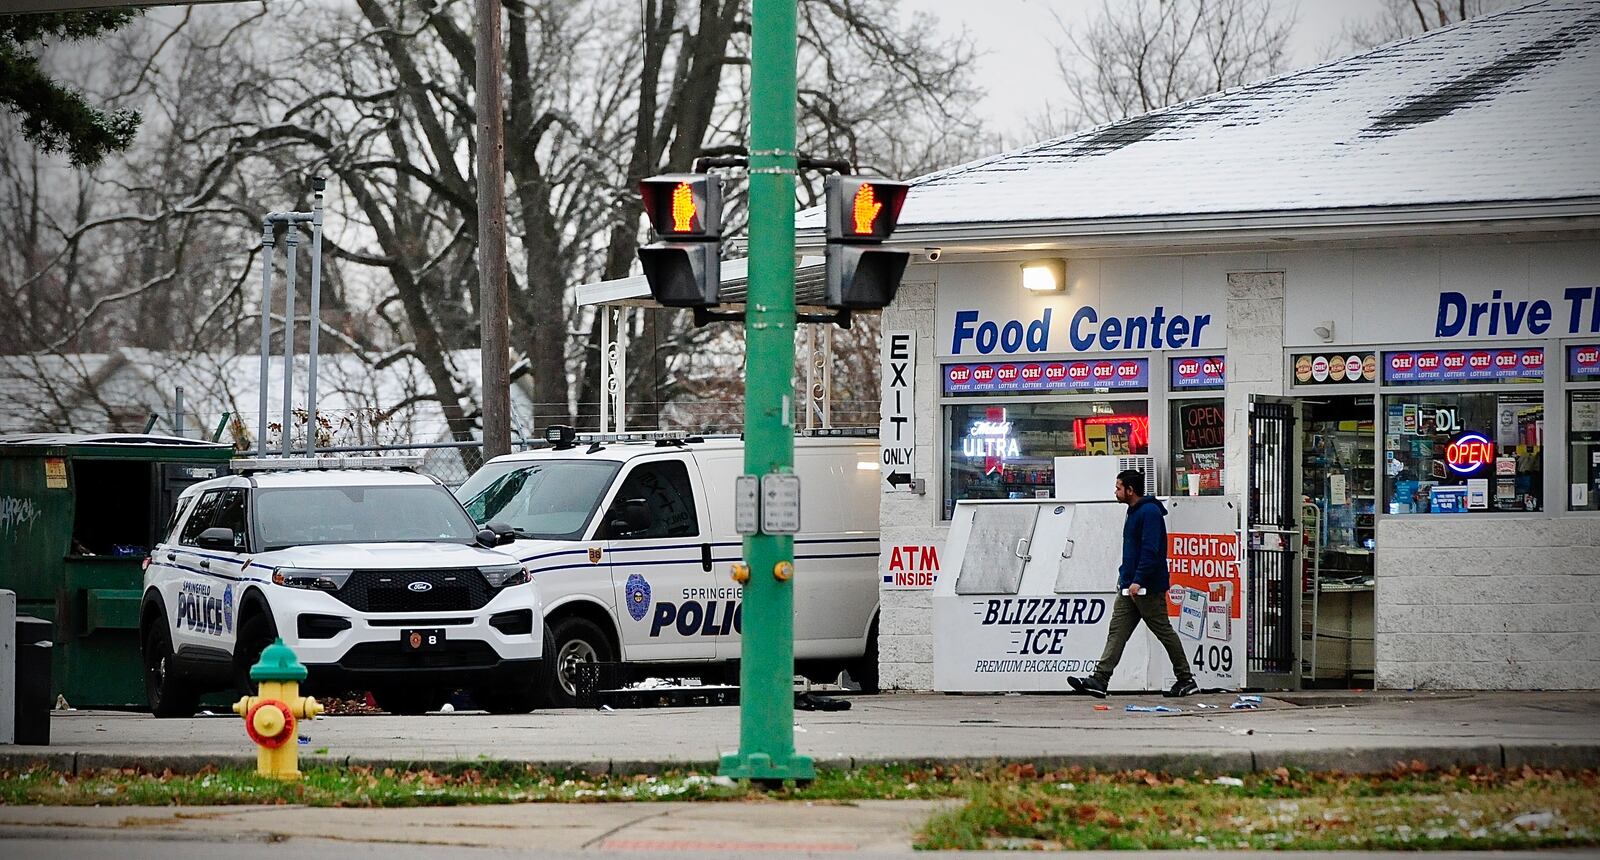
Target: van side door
pixel 655 532
pixel 836 552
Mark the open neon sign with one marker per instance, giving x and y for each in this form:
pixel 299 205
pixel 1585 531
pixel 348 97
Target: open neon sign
pixel 1469 453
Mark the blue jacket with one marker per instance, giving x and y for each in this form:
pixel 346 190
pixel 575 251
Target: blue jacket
pixel 1144 547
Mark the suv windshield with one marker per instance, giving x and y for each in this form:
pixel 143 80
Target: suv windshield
pixel 551 499
pixel 298 516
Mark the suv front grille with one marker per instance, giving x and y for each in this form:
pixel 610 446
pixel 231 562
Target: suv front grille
pixel 460 654
pixel 389 590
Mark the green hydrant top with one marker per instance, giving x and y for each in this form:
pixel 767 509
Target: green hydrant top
pixel 277 663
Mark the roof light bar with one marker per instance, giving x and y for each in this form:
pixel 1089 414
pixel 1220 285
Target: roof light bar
pixel 640 436
pixel 854 432
pixel 287 464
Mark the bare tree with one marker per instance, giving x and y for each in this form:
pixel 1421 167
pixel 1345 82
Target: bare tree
pixel 1400 19
pixel 894 101
pixel 157 247
pixel 1140 55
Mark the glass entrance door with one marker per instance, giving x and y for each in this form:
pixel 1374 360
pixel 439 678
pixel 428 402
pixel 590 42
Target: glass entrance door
pixel 1339 481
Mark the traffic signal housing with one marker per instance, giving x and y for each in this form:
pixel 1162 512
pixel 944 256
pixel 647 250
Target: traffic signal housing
pixel 683 266
pixel 862 212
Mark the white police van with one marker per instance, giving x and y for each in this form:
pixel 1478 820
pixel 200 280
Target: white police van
pixel 375 576
pixel 631 544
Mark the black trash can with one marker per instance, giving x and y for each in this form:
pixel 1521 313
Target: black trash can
pixel 34 641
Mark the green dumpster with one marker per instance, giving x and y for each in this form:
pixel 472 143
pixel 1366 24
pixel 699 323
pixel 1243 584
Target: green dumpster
pixel 79 514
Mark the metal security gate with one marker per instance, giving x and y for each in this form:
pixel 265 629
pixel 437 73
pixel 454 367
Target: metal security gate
pixel 1273 544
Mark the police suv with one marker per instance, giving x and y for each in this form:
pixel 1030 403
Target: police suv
pixel 373 574
pixel 631 538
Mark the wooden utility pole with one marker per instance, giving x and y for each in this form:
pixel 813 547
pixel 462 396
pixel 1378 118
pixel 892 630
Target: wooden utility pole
pixel 494 308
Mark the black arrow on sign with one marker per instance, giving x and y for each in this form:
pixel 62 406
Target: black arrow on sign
pixel 896 479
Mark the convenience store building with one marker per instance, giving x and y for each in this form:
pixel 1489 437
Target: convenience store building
pixel 1362 299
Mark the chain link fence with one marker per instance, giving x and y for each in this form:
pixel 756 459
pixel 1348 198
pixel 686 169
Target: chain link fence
pixel 361 432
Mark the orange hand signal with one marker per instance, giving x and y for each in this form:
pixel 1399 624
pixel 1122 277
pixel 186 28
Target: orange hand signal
pixel 682 208
pixel 866 209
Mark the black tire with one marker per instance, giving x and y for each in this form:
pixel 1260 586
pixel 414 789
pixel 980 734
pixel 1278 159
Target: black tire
pixel 254 637
pixel 168 695
pixel 409 700
pixel 510 694
pixel 568 642
pixel 864 671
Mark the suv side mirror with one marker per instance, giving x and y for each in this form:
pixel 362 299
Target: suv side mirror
pixel 503 534
pixel 216 538
pixel 628 517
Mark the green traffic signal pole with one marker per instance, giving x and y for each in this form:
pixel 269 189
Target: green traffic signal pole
pixel 766 699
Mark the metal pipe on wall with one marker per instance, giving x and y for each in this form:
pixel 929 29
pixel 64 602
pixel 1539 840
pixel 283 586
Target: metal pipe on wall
pixel 314 314
pixel 267 245
pixel 292 240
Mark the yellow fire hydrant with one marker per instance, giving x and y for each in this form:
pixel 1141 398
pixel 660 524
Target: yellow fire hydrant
pixel 270 716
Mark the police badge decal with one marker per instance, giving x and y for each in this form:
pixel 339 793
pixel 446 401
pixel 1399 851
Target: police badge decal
pixel 638 596
pixel 594 555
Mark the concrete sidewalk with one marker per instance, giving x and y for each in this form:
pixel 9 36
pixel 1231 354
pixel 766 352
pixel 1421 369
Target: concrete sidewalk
pixel 699 828
pixel 1362 732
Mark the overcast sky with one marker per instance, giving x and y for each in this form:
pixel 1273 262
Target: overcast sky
pixel 1017 64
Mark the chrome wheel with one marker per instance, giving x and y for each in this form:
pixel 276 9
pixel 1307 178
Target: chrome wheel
pixel 573 653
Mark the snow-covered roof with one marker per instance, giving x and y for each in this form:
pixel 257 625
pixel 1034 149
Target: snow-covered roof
pixel 78 391
pixel 1503 108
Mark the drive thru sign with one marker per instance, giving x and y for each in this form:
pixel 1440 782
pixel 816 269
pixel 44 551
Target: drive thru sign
pixel 897 430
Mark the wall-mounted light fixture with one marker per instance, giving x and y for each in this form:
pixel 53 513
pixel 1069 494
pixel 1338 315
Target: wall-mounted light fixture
pixel 1045 276
pixel 1324 330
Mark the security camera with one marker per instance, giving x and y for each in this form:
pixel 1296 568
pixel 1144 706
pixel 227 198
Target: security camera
pixel 933 254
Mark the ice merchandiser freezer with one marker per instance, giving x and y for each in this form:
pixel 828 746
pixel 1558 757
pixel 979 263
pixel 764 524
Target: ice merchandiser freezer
pixel 1030 585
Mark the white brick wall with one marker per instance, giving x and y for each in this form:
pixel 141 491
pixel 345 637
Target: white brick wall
pixel 1472 603
pixel 905 623
pixel 1254 360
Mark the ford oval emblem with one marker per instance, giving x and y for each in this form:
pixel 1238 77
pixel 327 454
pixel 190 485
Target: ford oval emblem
pixel 420 586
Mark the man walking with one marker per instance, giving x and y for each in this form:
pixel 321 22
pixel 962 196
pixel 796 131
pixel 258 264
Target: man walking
pixel 1142 590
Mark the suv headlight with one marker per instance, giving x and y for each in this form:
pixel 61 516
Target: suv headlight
pixel 311 578
pixel 505 575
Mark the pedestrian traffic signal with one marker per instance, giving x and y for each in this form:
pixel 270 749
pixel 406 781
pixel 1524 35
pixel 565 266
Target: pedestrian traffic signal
pixel 684 205
pixel 863 209
pixel 862 212
pixel 683 267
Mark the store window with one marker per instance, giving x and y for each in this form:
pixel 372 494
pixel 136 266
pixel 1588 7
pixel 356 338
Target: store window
pixel 1008 451
pixel 1197 443
pixel 1583 450
pixel 1469 452
pixel 1583 428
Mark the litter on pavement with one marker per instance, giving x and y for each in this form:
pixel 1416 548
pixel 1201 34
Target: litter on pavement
pixel 1151 709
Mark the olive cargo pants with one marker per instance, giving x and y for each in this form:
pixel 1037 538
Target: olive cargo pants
pixel 1125 617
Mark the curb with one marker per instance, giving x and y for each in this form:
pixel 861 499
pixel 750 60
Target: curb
pixel 1346 759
